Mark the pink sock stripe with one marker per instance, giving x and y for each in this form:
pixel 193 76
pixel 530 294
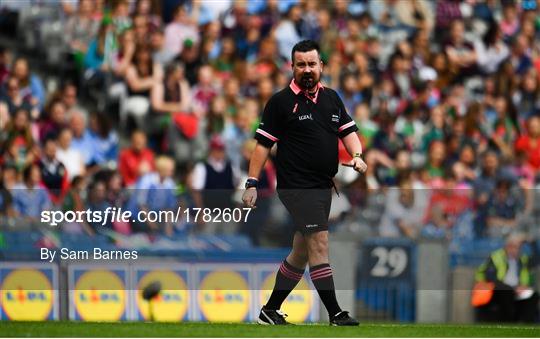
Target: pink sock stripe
pixel 323 269
pixel 291 271
pixel 320 272
pixel 289 275
pixel 322 276
pixel 284 268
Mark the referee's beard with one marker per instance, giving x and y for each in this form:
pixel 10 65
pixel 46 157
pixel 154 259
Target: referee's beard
pixel 308 81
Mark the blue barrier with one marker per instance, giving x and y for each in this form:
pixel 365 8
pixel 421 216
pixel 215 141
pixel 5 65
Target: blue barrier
pixel 386 287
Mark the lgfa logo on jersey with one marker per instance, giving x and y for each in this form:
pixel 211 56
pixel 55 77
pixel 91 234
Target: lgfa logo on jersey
pixel 305 117
pixel 100 296
pixel 27 294
pixel 172 302
pixel 224 296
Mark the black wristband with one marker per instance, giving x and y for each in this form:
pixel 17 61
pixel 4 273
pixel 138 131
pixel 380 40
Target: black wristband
pixel 252 183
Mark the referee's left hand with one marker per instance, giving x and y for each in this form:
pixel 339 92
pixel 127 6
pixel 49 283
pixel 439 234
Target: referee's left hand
pixel 250 197
pixel 358 164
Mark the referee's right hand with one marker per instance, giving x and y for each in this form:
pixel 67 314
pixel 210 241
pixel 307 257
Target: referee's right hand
pixel 250 197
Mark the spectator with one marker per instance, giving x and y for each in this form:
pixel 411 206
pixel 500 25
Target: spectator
pixel 137 160
pixel 20 144
pixel 461 53
pixel 368 128
pixel 173 94
pixel 509 23
pixel 504 130
pixel 104 140
pixel 4 65
pixel 204 91
pixel 82 141
pixel 236 133
pixel 180 30
pixel 160 54
pixel 12 100
pixel 119 16
pixel 97 201
pixel 151 10
pixel 287 33
pixel 74 201
pixel 350 95
pixel 446 205
pixel 80 29
pixel 483 187
pixel 446 12
pixel 435 165
pixel 214 180
pixel 72 158
pixel 7 175
pixel 416 14
pixel 226 61
pixel 53 173
pixel 403 212
pixel 503 207
pixel 155 191
pixel 491 50
pixel 69 96
pixel 124 55
pixel 30 85
pixel 526 98
pixel 55 120
pixel 510 272
pixel 141 29
pixel 387 139
pixel 141 76
pixel 530 143
pixel 97 59
pixel 30 198
pixel 519 56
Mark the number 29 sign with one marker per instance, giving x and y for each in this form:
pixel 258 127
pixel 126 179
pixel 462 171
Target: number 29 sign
pixel 386 261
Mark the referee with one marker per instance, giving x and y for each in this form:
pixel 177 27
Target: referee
pixel 305 119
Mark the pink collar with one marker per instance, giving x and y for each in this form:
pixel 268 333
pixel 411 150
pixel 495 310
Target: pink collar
pixel 296 89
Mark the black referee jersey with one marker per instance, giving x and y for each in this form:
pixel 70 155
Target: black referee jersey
pixel 306 129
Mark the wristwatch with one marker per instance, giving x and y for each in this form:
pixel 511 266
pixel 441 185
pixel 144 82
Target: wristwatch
pixel 252 182
pixel 357 155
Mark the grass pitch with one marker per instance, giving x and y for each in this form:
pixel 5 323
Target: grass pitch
pixel 140 329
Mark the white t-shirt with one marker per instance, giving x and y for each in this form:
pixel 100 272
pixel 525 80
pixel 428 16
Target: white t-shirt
pixel 72 160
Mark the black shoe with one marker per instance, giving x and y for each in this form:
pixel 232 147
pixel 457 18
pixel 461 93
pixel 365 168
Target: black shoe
pixel 272 317
pixel 343 319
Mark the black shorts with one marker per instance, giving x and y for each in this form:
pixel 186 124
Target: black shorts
pixel 309 208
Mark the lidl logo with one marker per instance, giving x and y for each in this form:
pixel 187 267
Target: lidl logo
pixel 171 304
pixel 95 297
pixel 221 297
pixel 224 296
pixel 298 304
pixel 26 294
pixel 100 296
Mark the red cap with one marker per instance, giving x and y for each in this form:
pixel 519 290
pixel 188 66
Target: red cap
pixel 216 142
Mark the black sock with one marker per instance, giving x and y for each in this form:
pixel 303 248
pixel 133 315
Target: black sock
pixel 321 276
pixel 287 278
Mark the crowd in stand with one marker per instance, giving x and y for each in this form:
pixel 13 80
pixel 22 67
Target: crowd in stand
pixel 163 97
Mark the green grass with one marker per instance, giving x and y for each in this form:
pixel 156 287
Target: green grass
pixel 140 329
